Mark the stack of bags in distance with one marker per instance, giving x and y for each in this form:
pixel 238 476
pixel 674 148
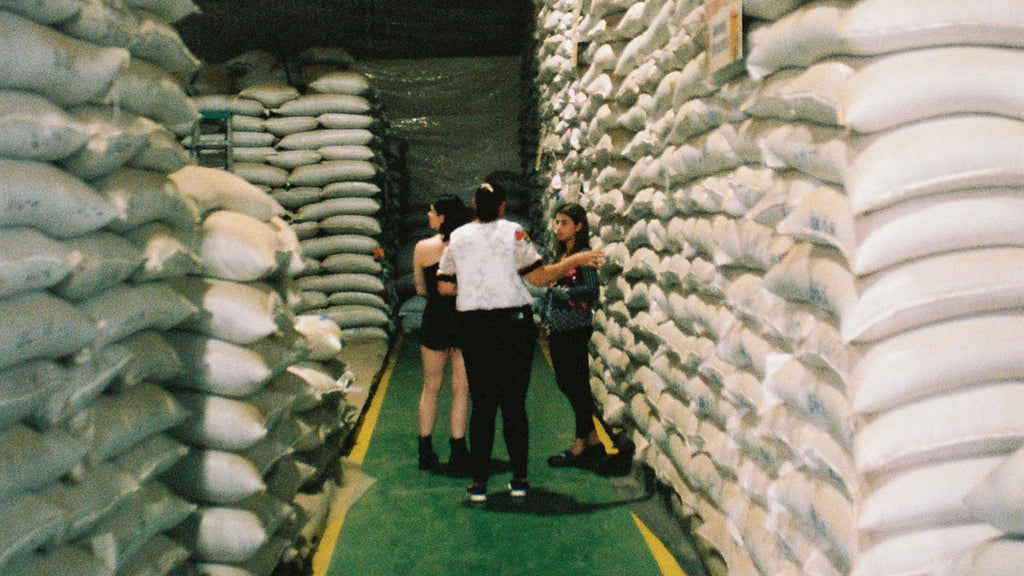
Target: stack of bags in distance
pixel 141 301
pixel 319 154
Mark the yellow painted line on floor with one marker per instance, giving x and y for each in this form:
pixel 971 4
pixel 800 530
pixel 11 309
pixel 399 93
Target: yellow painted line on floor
pixel 666 562
pixel 329 540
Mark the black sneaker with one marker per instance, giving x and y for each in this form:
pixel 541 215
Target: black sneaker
pixel 518 488
pixel 477 493
pixel 590 455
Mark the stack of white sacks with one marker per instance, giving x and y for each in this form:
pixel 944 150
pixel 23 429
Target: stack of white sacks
pixel 812 309
pixel 319 156
pixel 140 310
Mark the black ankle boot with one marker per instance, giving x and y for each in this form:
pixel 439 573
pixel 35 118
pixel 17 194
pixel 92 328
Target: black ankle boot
pixel 428 458
pixel 458 459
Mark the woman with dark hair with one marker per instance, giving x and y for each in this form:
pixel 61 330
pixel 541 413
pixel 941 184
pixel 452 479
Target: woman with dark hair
pixel 485 263
pixel 567 313
pixel 438 343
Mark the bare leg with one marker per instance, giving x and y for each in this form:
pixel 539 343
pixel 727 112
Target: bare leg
pixel 460 395
pixel 433 377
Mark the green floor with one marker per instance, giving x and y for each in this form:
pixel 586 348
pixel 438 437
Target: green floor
pixel 413 523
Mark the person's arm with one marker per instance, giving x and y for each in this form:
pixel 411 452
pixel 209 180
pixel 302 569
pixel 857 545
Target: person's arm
pixel 417 269
pixel 446 282
pixel 543 274
pixel 586 291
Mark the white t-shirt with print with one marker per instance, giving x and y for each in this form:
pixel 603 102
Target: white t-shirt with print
pixel 485 259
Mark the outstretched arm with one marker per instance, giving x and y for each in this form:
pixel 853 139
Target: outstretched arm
pixel 547 273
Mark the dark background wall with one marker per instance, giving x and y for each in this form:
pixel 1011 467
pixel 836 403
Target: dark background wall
pixel 367 29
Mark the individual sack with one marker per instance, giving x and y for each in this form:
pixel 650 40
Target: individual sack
pixel 59 68
pixel 936 359
pixel 42 196
pixel 33 128
pixel 144 196
pixel 233 311
pixel 40 325
pixel 213 189
pixel 31 261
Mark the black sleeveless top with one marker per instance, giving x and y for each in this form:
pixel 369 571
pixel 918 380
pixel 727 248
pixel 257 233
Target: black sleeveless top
pixel 437 330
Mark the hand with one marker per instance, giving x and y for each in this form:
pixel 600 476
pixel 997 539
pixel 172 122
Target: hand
pixel 593 258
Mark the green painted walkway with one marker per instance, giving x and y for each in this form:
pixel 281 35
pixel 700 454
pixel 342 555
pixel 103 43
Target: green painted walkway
pixel 412 523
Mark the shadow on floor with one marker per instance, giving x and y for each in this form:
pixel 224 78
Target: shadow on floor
pixel 542 502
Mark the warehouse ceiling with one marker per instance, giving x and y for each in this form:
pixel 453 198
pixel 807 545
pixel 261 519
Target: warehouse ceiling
pixel 367 29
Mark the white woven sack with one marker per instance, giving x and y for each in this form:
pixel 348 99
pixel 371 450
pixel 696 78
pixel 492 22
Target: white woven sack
pixel 324 173
pixel 364 153
pixel 920 552
pixel 125 309
pixel 338 206
pixel 219 423
pixel 114 138
pixel 996 498
pixel 317 104
pixel 1002 557
pixel 261 174
pixel 322 334
pixel 330 137
pixel 30 521
pixel 31 260
pixel 354 316
pixel 937 359
pixel 162 152
pixel 899 504
pixel 807 275
pixel 234 246
pixel 292 159
pixel 270 95
pixel 42 196
pixel 215 189
pixel 351 189
pixel 149 91
pixel 226 103
pixel 146 513
pixel 214 569
pixel 247 138
pixel 31 459
pixel 345 82
pixel 232 311
pixel 812 393
pixel 826 515
pixel 343 243
pixel 166 252
pixel 255 155
pixel 918 160
pixel 351 263
pixel 869 27
pixel 979 421
pixel 282 126
pixel 297 197
pixel 350 223
pixel 343 120
pixel 32 128
pixel 934 289
pixel 921 227
pixel 812 94
pixel 142 196
pixel 63 70
pixel 218 367
pixel 49 12
pixel 159 551
pixel 39 325
pixel 77 386
pixel 341 283
pixel 898 89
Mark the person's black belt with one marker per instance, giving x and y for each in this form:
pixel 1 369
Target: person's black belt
pixel 515 313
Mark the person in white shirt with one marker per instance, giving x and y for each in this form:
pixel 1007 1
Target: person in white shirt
pixel 485 264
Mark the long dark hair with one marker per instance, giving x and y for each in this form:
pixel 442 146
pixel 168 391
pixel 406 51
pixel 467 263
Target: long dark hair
pixel 488 199
pixel 581 240
pixel 454 211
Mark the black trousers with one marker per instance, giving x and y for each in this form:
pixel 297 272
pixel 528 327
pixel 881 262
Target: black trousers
pixel 498 348
pixel 571 361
